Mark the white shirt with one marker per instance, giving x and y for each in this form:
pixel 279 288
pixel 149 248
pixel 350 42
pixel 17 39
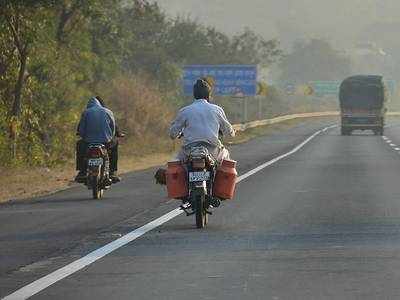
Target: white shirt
pixel 201 122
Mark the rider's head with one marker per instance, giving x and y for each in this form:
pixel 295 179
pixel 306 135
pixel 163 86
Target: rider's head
pixel 201 89
pixel 101 101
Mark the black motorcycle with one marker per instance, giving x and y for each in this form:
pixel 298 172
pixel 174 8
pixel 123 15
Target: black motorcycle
pixel 201 167
pixel 98 170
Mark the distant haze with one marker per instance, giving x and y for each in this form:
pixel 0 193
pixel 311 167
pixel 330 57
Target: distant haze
pixel 368 31
pixel 340 21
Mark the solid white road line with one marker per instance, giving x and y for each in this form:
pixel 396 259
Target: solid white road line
pixel 264 165
pixel 393 145
pixel 46 281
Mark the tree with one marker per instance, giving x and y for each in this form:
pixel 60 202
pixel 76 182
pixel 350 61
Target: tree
pixel 54 55
pixel 313 60
pixel 250 48
pixel 21 22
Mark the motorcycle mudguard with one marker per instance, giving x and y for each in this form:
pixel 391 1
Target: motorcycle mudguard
pixel 200 186
pixel 94 171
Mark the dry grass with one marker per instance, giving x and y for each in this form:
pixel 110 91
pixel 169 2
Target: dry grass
pixel 21 183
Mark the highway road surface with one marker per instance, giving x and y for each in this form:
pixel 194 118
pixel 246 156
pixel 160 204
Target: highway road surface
pixel 316 216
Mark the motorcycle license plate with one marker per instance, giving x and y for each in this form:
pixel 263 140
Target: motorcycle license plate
pixel 94 162
pixel 199 176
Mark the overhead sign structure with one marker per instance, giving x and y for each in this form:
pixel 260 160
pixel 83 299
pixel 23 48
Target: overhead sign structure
pixel 230 80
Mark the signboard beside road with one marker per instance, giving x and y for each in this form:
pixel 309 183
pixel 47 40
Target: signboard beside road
pixel 230 80
pixel 391 86
pixel 322 88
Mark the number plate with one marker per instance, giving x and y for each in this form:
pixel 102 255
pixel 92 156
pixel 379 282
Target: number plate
pixel 199 176
pixel 361 120
pixel 94 162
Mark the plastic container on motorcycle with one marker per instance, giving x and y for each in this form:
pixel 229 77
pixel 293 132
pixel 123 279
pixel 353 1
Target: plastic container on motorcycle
pixel 176 177
pixel 225 180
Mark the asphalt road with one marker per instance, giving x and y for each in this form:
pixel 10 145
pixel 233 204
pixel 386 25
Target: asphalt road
pixel 322 223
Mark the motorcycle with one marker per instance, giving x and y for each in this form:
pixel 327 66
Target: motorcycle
pixel 201 182
pixel 201 170
pixel 98 170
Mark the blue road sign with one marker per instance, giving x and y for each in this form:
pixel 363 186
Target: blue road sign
pixel 236 80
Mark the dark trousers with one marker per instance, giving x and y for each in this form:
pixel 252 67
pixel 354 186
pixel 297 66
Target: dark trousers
pixel 81 149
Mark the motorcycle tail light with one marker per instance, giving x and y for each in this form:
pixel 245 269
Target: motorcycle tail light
pixel 94 172
pixel 199 163
pixel 95 152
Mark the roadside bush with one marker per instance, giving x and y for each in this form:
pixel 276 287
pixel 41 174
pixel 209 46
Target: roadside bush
pixel 141 111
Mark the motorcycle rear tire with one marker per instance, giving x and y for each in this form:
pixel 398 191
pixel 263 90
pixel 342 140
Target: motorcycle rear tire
pixel 97 192
pixel 201 214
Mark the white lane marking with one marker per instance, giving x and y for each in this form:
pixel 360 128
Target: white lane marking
pixel 329 127
pixel 386 139
pixel 46 281
pixel 264 165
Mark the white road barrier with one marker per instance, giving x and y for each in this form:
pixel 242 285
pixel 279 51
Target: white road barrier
pixel 244 126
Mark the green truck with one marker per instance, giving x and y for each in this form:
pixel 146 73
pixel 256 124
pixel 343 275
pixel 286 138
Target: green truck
pixel 362 104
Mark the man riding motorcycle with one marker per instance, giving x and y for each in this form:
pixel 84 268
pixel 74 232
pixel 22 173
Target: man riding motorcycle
pixel 200 123
pixel 97 125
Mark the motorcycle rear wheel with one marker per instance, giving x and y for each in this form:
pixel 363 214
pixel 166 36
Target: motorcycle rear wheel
pixel 201 214
pixel 97 192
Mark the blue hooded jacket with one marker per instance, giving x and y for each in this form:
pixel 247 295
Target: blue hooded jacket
pixel 97 124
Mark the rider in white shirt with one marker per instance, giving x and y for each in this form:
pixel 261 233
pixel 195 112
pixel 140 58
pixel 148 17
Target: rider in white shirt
pixel 201 122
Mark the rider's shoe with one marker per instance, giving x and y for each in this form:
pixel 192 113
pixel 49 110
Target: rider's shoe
pixel 185 203
pixel 214 202
pixel 114 178
pixel 80 177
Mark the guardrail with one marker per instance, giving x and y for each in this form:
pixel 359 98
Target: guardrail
pixel 244 126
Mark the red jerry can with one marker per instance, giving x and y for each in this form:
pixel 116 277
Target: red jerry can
pixel 176 180
pixel 225 180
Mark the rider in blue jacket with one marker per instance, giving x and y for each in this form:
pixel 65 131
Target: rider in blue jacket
pixel 97 125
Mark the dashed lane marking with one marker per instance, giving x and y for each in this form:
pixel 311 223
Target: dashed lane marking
pixel 394 146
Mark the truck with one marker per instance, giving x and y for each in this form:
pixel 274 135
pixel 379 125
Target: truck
pixel 363 104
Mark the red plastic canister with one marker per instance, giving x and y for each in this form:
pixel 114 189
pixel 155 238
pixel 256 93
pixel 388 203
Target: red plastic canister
pixel 176 180
pixel 225 180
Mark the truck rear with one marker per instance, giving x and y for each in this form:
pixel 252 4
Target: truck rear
pixel 362 104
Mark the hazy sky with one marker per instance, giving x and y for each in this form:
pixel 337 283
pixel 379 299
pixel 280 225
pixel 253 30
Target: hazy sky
pixel 338 20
